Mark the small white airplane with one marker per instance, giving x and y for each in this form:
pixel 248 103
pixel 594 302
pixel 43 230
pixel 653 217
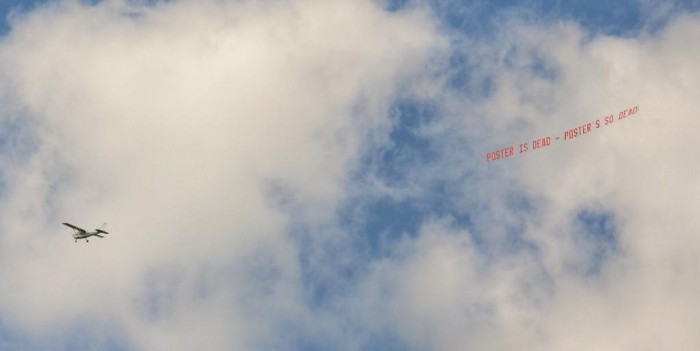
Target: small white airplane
pixel 81 233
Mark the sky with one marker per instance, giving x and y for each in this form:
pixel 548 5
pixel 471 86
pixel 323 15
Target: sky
pixel 350 175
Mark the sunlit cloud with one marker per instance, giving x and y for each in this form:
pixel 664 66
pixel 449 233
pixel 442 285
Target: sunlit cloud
pixel 314 175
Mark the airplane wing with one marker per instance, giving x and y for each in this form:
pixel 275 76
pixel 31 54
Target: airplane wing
pixel 81 230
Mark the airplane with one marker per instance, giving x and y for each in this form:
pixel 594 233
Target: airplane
pixel 81 233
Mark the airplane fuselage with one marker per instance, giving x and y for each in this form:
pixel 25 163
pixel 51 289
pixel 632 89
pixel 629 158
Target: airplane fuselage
pixel 77 236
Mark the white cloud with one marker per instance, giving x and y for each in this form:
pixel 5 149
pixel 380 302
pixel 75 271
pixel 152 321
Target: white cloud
pixel 173 122
pixel 187 124
pixel 446 292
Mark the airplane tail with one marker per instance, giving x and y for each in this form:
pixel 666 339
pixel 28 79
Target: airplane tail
pixel 101 230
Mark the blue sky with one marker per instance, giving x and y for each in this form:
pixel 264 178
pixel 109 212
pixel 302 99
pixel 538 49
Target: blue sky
pixel 312 176
pixel 8 6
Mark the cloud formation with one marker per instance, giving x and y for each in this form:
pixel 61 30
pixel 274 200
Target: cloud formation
pixel 183 124
pixel 587 244
pixel 312 175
